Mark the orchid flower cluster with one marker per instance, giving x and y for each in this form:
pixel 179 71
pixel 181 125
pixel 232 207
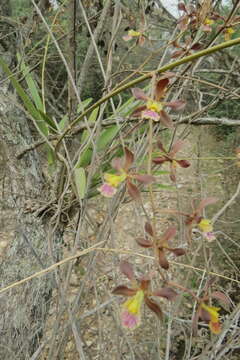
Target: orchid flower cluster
pixel 124 175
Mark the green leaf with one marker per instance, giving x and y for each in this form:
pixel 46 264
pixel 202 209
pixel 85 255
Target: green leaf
pixel 25 98
pixel 31 84
pixel 83 105
pixel 63 122
pixel 106 137
pixel 80 181
pixel 160 172
pixel 49 120
pixel 92 118
pixel 168 187
pixel 84 158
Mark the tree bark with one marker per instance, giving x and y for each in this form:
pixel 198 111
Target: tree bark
pixel 23 236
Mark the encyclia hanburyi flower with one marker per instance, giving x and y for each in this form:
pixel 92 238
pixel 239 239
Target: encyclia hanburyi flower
pixel 166 156
pixel 133 34
pixel 209 313
pixel 206 227
pixel 161 244
pixel 138 294
pixel 124 174
pixel 196 218
pixel 154 107
pixel 185 48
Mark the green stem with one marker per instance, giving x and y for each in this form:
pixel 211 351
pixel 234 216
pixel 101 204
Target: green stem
pixel 140 79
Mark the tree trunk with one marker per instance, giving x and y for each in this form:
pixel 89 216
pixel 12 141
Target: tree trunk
pixel 23 236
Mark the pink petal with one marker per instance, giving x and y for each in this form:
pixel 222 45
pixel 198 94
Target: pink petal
pixel 127 37
pixel 150 114
pixel 129 320
pixel 107 190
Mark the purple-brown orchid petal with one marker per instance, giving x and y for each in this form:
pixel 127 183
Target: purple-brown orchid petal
pixel 124 290
pixel 176 147
pixel 145 179
pixel 149 229
pixel 204 315
pixel 221 296
pixel 196 46
pixel 177 53
pixel 167 293
pixel 129 158
pixel 161 88
pixel 144 283
pixel 160 146
pixel 166 120
pixel 182 7
pixel 195 322
pixel 173 171
pixel 127 269
pixel 154 307
pixel 117 163
pixel 133 190
pixel 206 202
pixel 177 251
pixel 138 111
pixel 160 160
pixel 176 105
pixel 146 243
pixel 139 94
pixel 183 163
pixel 169 234
pixel 162 259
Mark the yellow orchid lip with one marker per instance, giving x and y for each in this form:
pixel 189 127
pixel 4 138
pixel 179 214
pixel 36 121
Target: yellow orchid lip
pixel 133 33
pixel 154 105
pixel 213 312
pixel 205 226
pixel 208 21
pixel 115 180
pixel 133 305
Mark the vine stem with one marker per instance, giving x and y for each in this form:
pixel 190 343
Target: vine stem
pixel 140 79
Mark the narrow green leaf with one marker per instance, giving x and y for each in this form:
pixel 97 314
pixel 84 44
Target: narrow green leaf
pixel 83 105
pixel 62 124
pixel 168 187
pixel 25 98
pixel 80 181
pixel 48 120
pixel 107 137
pixel 84 158
pixel 31 84
pixel 92 118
